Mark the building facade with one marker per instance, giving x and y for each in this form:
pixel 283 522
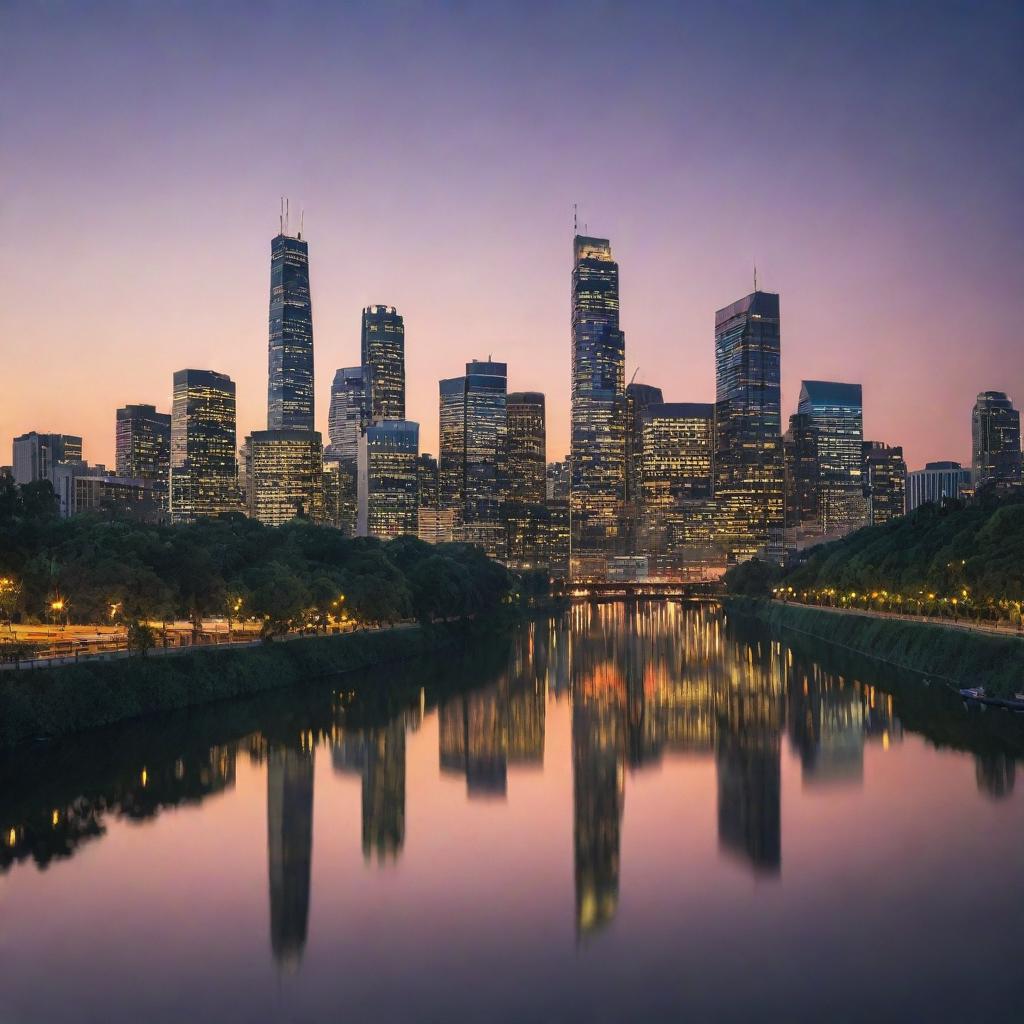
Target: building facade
pixel 204 473
pixel 995 437
pixel 349 413
pixel 802 476
pixel 83 488
pixel 638 398
pixel 836 411
pixel 598 419
pixel 527 447
pixel 285 473
pixel 290 403
pixel 388 482
pixel 885 482
pixel 472 461
pixel 383 356
pixel 938 481
pixel 35 455
pixel 748 457
pixel 143 445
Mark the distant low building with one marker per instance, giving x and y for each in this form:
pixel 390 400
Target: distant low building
pixel 938 480
pixel 35 455
pixel 83 488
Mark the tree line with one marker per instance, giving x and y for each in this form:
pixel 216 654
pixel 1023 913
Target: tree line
pixel 102 567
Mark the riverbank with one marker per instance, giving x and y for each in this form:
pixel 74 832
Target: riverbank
pixel 54 702
pixel 956 656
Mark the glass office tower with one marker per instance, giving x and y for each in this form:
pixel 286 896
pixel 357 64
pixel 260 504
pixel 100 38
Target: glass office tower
pixel 995 436
pixel 885 482
pixel 290 384
pixel 285 476
pixel 472 462
pixel 388 488
pixel 598 419
pixel 143 446
pixel 383 357
pixel 349 412
pixel 835 410
pixel 204 473
pixel 748 456
pixel 527 447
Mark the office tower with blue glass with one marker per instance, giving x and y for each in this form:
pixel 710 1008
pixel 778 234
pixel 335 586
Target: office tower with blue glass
pixel 290 402
pixel 995 440
pixel 388 480
pixel 597 453
pixel 143 446
pixel 836 412
pixel 383 358
pixel 749 472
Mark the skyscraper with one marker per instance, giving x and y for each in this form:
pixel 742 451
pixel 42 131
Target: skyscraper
pixel 290 384
pixel 383 357
pixel 748 457
pixel 388 480
pixel 800 448
pixel 143 445
pixel 204 474
pixel 676 465
pixel 285 475
pixel 349 412
pixel 638 398
pixel 36 455
pixel 527 449
pixel 885 482
pixel 835 410
pixel 995 436
pixel 472 462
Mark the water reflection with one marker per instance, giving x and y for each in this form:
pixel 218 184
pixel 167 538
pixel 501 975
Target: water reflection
pixel 643 683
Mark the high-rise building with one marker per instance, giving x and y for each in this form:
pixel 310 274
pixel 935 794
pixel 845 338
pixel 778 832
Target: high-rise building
pixel 388 483
pixel 527 447
pixel 836 411
pixel 426 481
pixel 383 358
pixel 748 457
pixel 204 474
pixel 885 482
pixel 557 481
pixel 995 437
pixel 800 450
pixel 472 463
pixel 638 398
pixel 676 464
pixel 290 383
pixel 527 536
pixel 938 481
pixel 285 475
pixel 339 484
pixel 349 413
pixel 598 421
pixel 36 455
pixel 143 445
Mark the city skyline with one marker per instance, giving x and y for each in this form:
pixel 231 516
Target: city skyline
pixel 834 210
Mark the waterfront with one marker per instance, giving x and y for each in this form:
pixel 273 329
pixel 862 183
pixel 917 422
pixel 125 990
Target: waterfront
pixel 635 812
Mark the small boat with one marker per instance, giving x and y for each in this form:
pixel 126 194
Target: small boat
pixel 976 695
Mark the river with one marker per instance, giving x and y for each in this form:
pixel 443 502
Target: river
pixel 622 813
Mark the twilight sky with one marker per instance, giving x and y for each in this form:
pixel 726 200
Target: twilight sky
pixel 868 157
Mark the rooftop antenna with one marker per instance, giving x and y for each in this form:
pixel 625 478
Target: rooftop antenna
pixel 287 213
pixel 755 277
pixel 302 222
pixel 575 221
pixel 635 372
pixel 281 215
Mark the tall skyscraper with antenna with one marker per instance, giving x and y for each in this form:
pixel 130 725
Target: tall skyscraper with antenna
pixel 598 427
pixel 290 384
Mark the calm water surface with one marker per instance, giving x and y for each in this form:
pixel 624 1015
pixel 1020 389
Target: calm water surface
pixel 620 814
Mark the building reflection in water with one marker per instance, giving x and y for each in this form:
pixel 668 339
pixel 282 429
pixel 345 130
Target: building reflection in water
pixel 289 846
pixel 995 774
pixel 377 755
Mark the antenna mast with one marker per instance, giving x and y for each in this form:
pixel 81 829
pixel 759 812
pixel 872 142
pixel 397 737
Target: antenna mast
pixel 575 221
pixel 755 277
pixel 302 222
pixel 281 215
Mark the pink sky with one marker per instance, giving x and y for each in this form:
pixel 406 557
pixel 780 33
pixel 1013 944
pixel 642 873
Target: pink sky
pixel 871 171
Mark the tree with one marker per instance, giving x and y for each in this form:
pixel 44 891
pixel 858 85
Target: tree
pixel 753 578
pixel 141 637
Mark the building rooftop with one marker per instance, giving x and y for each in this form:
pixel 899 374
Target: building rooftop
pixel 756 303
pixel 831 392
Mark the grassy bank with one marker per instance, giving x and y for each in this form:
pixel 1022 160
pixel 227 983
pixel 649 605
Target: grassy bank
pixel 957 656
pixel 61 701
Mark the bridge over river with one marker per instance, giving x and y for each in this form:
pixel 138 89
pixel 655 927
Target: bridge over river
pixel 611 590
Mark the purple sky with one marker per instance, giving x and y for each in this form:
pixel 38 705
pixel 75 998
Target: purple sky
pixel 868 157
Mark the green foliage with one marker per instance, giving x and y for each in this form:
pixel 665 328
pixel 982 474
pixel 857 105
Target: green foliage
pixel 941 550
pixel 141 637
pixel 291 575
pixel 753 578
